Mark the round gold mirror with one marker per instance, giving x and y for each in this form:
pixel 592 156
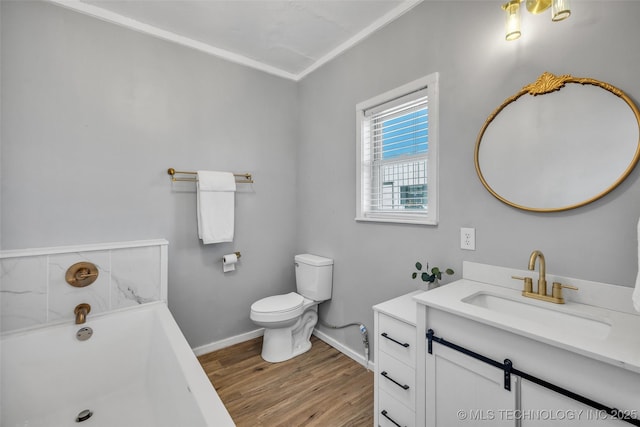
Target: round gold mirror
pixel 568 142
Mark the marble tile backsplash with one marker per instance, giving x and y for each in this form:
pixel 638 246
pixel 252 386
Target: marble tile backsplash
pixel 33 289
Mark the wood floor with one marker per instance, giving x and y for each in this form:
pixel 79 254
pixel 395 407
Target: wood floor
pixel 321 387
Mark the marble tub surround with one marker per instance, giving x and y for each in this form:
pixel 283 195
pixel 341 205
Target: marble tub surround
pixel 610 306
pixel 34 292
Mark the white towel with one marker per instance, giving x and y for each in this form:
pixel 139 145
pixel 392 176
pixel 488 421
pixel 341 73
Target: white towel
pixel 215 206
pixel 636 291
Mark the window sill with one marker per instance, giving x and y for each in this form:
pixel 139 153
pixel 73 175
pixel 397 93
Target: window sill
pixel 395 220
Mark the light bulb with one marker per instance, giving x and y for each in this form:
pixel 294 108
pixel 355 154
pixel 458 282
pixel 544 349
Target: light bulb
pixel 560 9
pixel 512 20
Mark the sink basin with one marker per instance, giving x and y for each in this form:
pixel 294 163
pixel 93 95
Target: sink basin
pixel 599 322
pixel 534 311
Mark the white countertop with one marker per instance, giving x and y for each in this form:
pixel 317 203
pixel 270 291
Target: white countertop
pixel 402 308
pixel 619 347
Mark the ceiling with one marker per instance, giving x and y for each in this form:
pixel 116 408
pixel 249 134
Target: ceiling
pixel 289 38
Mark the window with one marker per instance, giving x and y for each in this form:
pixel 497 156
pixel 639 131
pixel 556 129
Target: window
pixel 397 154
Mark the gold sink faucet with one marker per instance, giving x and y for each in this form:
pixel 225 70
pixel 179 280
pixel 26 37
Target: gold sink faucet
pixel 556 296
pixel 542 275
pixel 81 312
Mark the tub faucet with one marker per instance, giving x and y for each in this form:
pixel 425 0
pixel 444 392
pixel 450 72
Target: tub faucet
pixel 81 312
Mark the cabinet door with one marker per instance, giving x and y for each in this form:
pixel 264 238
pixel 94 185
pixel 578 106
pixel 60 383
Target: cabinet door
pixel 464 391
pixel 541 407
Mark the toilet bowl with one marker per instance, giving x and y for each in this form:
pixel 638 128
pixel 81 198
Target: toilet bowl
pixel 279 311
pixel 288 319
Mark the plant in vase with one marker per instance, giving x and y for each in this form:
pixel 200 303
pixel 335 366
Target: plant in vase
pixel 432 277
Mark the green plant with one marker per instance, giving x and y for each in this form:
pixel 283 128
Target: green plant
pixel 432 275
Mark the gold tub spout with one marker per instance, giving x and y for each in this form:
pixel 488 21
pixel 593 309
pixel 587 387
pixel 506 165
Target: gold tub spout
pixel 81 312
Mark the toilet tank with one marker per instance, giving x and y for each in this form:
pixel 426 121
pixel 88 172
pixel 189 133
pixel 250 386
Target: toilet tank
pixel 314 276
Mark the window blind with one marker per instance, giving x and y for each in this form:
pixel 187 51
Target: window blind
pixel 396 145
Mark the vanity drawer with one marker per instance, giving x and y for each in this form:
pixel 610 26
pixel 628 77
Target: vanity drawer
pixel 392 413
pixel 397 379
pixel 397 339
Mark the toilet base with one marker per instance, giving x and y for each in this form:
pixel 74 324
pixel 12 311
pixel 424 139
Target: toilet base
pixel 280 344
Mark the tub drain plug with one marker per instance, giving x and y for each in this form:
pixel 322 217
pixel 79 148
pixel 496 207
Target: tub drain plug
pixel 84 416
pixel 84 334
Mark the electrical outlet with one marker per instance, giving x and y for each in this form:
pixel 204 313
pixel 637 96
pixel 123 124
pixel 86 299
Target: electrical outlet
pixel 468 238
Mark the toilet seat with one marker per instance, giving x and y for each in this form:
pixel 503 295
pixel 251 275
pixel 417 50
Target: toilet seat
pixel 278 307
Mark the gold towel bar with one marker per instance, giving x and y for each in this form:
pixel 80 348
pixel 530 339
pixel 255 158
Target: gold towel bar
pixel 246 177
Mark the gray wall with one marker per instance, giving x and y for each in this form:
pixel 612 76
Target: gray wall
pixel 94 114
pixel 464 42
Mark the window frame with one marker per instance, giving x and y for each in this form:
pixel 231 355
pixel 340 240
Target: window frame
pixel 409 216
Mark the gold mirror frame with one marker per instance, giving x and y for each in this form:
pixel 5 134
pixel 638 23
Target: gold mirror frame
pixel 548 83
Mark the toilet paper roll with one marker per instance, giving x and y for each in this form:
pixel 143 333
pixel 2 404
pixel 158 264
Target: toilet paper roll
pixel 229 262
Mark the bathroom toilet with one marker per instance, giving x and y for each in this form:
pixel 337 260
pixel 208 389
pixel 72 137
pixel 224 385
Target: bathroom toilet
pixel 288 320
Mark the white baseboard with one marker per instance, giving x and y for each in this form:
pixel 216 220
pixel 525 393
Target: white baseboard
pixel 358 357
pixel 228 342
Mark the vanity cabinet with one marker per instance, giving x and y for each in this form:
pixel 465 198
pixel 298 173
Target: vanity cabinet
pixel 476 352
pixel 395 358
pixel 460 389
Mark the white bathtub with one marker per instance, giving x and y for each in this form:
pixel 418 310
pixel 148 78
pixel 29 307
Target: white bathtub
pixel 136 370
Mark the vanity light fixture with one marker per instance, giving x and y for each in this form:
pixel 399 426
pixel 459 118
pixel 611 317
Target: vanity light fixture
pixel 560 10
pixel 512 22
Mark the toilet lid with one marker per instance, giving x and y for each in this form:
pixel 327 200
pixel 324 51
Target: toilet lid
pixel 278 303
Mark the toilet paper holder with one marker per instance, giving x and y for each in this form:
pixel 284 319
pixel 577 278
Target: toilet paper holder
pixel 229 262
pixel 237 254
